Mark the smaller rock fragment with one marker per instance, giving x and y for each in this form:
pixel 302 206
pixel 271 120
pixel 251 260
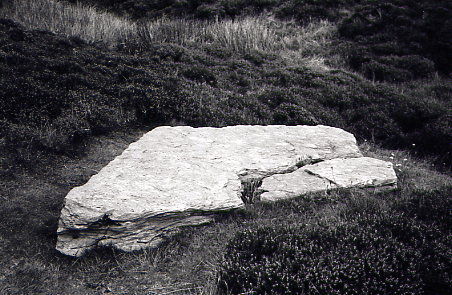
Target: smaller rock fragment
pixel 359 172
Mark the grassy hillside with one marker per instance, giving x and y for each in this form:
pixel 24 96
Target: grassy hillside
pixel 393 40
pixel 78 84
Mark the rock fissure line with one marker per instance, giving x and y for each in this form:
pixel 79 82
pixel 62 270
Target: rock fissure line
pixel 321 177
pixel 251 185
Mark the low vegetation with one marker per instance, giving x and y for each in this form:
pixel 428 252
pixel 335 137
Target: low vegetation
pixel 369 246
pixel 400 40
pixel 75 89
pixel 81 81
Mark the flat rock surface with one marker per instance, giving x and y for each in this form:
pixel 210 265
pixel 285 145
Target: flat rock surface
pixel 363 172
pixel 177 176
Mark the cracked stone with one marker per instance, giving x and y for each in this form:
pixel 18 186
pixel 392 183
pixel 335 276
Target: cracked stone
pixel 362 172
pixel 179 176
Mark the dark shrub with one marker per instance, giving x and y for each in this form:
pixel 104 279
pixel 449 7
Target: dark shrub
pixel 421 67
pixel 257 57
pixel 293 114
pixel 429 206
pixel 200 74
pixel 308 10
pixel 209 11
pixel 397 40
pixel 238 79
pixel 369 254
pixel 168 52
pixel 274 97
pixel 218 51
pixel 378 71
pixel 397 68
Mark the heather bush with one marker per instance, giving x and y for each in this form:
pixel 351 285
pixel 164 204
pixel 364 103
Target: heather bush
pixel 150 83
pixel 364 252
pixel 308 10
pixel 99 90
pixel 396 41
pixel 293 114
pixel 429 206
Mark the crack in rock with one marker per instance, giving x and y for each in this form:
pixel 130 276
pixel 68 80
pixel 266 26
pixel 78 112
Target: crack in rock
pixel 362 172
pixel 321 177
pixel 251 180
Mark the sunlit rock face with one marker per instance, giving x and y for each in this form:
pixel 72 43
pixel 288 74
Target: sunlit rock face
pixel 181 176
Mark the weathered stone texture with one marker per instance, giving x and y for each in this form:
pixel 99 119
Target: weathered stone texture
pixel 176 176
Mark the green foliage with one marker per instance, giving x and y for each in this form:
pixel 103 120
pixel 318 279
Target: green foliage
pixel 307 10
pixel 200 74
pixel 364 252
pixel 397 68
pixel 292 114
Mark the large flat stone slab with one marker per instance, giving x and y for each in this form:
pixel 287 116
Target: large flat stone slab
pixel 178 176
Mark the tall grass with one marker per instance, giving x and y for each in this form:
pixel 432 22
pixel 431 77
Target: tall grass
pixel 242 34
pixel 79 20
pixel 239 35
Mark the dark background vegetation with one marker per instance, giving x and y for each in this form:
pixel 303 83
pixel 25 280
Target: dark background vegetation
pixel 58 94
